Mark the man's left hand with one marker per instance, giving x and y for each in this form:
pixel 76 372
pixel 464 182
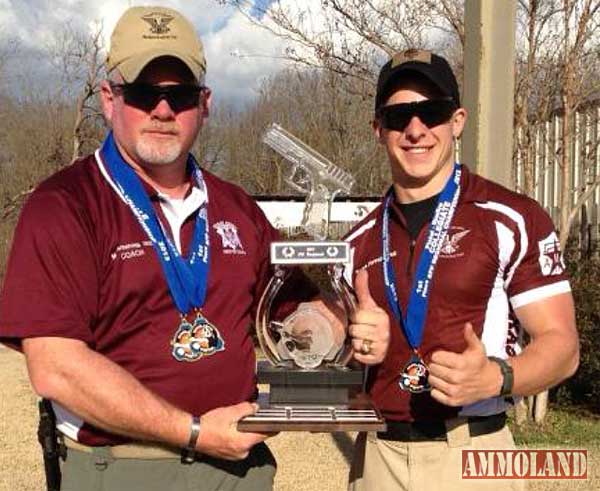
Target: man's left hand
pixel 458 379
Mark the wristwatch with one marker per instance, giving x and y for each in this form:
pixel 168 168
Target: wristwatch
pixel 188 454
pixel 508 377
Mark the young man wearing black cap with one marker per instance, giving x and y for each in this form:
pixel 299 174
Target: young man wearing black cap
pixel 462 266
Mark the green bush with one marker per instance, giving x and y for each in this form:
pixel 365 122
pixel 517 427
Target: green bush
pixel 584 387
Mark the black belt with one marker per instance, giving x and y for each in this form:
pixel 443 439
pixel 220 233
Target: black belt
pixel 422 431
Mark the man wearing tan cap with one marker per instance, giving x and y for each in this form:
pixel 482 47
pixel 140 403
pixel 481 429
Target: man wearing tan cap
pixel 134 282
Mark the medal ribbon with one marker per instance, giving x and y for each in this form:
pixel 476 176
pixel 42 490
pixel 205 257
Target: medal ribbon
pixel 413 324
pixel 187 278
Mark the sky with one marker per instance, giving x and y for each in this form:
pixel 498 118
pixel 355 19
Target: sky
pixel 239 54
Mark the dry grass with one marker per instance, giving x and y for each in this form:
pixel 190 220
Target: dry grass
pixel 307 462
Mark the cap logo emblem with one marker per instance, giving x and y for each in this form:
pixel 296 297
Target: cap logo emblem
pixel 411 55
pixel 158 22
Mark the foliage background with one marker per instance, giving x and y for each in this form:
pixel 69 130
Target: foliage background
pixel 325 98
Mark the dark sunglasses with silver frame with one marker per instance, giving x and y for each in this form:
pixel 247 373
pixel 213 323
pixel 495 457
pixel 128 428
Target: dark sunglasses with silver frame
pixel 431 112
pixel 144 96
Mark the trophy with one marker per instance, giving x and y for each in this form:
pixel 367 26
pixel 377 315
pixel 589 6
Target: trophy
pixel 311 388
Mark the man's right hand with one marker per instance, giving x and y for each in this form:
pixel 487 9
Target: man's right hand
pixel 369 324
pixel 219 436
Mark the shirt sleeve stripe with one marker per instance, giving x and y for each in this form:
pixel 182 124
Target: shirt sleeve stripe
pixel 520 222
pixel 540 293
pixel 361 230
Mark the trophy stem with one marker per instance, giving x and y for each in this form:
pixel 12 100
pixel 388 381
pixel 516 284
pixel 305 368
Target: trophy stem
pixel 264 315
pixel 346 294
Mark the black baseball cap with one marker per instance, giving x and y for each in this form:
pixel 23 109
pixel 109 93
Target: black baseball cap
pixel 433 67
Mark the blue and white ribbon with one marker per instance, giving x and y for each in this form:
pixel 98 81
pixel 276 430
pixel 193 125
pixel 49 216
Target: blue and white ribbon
pixel 413 324
pixel 187 278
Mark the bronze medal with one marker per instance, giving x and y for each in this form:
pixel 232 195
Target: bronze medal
pixel 414 376
pixel 193 341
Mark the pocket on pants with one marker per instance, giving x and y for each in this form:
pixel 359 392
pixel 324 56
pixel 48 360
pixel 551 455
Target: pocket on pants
pixel 79 472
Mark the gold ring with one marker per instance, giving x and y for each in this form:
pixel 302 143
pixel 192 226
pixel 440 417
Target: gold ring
pixel 365 348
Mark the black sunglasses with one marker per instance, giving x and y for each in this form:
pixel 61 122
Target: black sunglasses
pixel 146 96
pixel 431 112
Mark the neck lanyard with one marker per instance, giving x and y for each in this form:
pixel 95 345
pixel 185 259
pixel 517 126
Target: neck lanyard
pixel 413 324
pixel 187 278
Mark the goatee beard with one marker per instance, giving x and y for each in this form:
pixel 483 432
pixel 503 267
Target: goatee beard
pixel 158 153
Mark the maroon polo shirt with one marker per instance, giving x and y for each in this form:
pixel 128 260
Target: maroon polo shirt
pixel 501 252
pixel 82 267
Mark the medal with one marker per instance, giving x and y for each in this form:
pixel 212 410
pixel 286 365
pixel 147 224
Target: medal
pixel 187 278
pixel 414 375
pixel 193 341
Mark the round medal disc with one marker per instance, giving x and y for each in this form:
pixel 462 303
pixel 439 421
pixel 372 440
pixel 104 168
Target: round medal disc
pixel 414 377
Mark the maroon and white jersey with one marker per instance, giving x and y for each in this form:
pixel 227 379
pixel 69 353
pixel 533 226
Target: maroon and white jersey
pixel 82 267
pixel 501 253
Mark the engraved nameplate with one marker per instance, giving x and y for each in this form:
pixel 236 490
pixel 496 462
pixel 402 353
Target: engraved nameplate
pixel 327 252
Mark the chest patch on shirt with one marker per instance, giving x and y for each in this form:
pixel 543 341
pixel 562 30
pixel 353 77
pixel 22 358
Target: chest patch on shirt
pixel 229 238
pixel 193 341
pixel 452 247
pixel 551 261
pixel 132 250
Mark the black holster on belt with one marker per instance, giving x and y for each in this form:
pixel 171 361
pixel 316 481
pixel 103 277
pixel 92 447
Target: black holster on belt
pixel 52 449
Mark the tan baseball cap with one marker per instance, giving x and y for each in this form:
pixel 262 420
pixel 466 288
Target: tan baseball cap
pixel 145 33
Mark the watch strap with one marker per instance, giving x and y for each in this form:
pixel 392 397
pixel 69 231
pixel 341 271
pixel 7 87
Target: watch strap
pixel 508 377
pixel 188 454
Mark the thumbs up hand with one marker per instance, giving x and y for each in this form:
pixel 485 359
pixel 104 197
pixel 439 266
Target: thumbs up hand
pixel 369 325
pixel 458 379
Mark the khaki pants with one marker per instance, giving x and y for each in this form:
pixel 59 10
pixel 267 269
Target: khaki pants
pixel 98 471
pixel 381 465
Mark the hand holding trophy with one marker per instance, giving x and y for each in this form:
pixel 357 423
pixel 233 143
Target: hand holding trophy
pixel 311 386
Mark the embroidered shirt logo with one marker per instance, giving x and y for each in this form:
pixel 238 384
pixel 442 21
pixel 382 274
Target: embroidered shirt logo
pixel 451 246
pixel 551 261
pixel 229 237
pixel 158 22
pixel 132 250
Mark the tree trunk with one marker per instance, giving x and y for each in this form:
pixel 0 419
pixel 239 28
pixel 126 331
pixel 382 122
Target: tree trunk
pixel 521 411
pixel 540 408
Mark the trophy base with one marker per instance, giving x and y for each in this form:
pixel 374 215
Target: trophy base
pixel 321 400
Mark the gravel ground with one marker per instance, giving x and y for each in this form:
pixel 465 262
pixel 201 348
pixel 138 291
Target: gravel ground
pixel 20 457
pixel 307 462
